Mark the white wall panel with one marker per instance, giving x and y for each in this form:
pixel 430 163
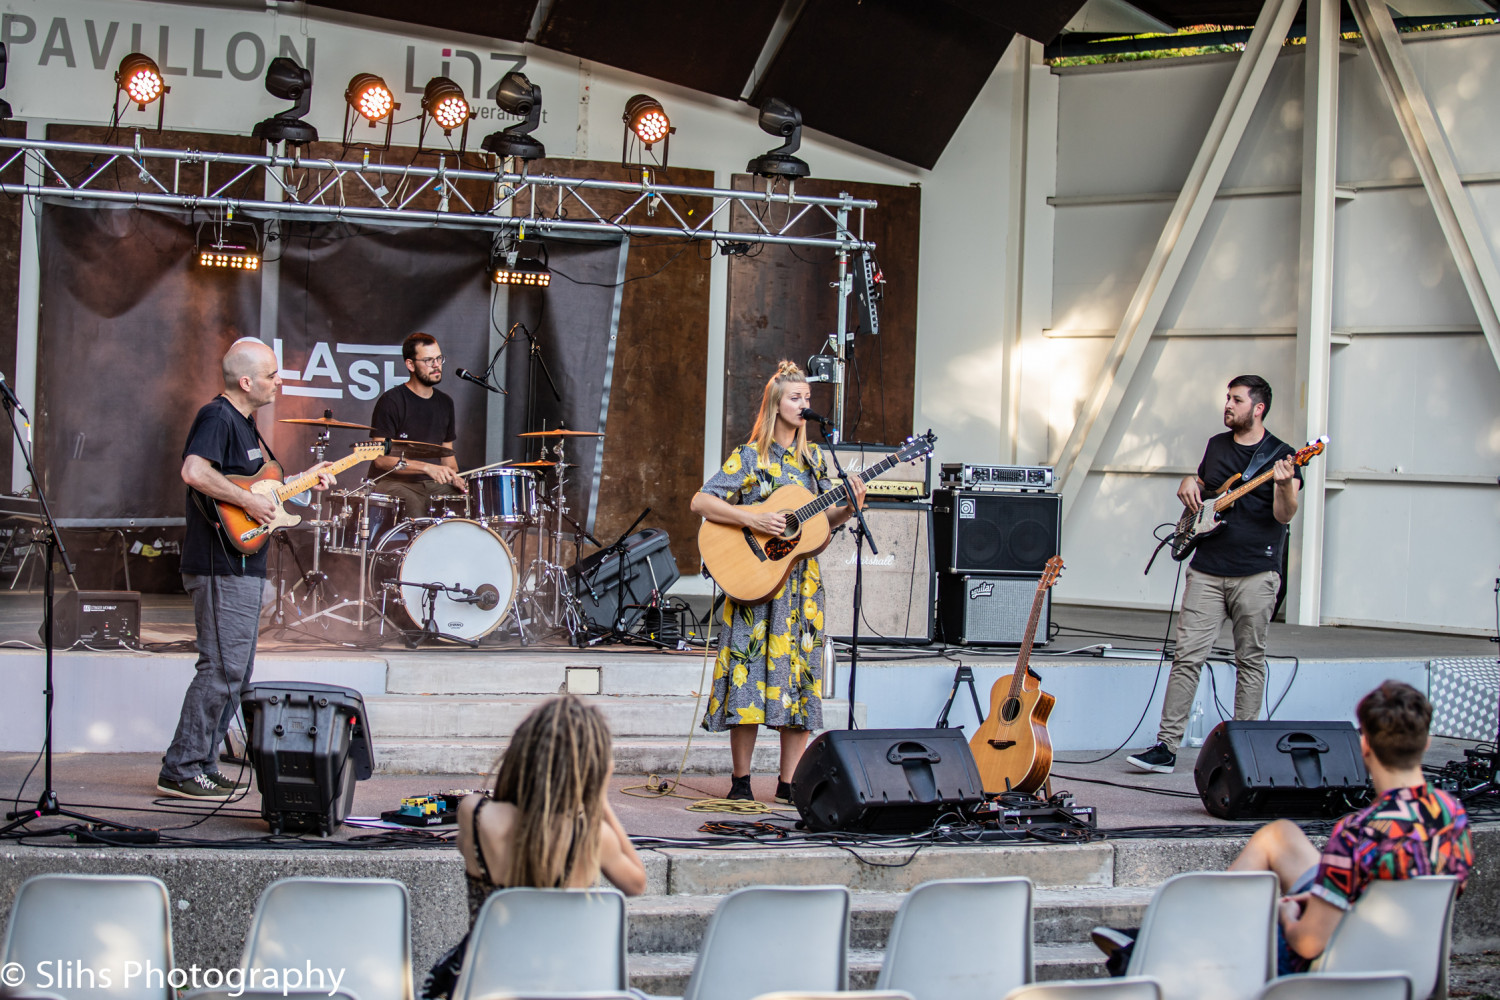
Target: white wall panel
pixel 1242 273
pixel 1461 76
pixel 1370 143
pixel 1106 552
pixel 1100 253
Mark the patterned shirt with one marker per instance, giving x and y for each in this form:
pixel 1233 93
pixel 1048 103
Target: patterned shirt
pixel 1405 833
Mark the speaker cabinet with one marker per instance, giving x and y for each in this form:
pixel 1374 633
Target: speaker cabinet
pixel 898 598
pixel 979 532
pixel 309 743
pixel 982 609
pixel 885 780
pixel 649 565
pixel 1274 769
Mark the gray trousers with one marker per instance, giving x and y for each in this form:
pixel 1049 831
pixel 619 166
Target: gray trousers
pixel 1247 601
pixel 226 610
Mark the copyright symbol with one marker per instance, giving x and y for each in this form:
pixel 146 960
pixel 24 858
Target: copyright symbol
pixel 12 974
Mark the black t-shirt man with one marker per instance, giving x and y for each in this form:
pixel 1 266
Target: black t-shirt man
pixel 227 438
pixel 402 415
pixel 1250 540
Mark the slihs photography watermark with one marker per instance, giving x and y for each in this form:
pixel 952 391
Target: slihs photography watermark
pixel 72 975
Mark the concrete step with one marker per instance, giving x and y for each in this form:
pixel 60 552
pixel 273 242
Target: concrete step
pixel 549 673
pixel 708 755
pixel 464 717
pixel 667 974
pixel 676 924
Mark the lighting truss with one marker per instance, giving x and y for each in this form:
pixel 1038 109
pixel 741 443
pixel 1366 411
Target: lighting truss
pixel 314 189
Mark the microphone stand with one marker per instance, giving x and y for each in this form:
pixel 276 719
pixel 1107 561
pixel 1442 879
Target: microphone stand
pixel 861 533
pixel 429 628
pixel 47 804
pixel 618 632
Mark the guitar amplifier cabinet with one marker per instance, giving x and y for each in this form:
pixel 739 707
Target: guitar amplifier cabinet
pixel 898 583
pixel 885 780
pixel 905 481
pixel 987 609
pixel 1270 769
pixel 986 532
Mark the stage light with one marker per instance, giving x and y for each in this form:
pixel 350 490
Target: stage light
pixel 5 111
pixel 780 119
pixel 237 258
pixel 517 95
pixel 368 95
pixel 508 267
pixel 289 82
pixel 645 116
pixel 140 78
pixel 444 100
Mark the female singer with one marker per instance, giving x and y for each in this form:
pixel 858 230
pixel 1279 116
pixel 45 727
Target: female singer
pixel 769 662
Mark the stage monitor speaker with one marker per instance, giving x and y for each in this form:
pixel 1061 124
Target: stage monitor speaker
pixel 309 744
pixel 898 594
pixel 983 609
pixel 995 532
pixel 96 617
pixel 885 780
pixel 648 564
pixel 1279 769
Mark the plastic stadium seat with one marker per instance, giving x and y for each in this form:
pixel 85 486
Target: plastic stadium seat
pixel 1209 934
pixel 1398 926
pixel 1132 988
pixel 960 939
pixel 1354 986
pixel 812 924
pixel 546 941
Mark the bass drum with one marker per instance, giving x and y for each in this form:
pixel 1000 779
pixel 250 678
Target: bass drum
pixel 452 552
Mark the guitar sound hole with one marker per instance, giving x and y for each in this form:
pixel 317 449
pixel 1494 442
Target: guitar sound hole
pixel 1010 709
pixel 793 526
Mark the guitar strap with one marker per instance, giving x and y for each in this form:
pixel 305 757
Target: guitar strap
pixel 1269 445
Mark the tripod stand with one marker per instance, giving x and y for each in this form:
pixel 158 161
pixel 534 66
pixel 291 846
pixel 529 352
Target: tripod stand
pixel 47 804
pixel 429 628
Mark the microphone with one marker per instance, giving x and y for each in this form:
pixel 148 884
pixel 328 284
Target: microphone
pixel 810 415
pixel 469 376
pixel 11 399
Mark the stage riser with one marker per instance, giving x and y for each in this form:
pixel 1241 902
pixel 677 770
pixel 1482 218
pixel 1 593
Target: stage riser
pixel 709 755
pixel 508 674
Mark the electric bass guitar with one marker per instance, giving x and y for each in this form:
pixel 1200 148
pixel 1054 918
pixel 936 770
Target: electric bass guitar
pixel 1012 747
pixel 1193 526
pixel 750 566
pixel 245 533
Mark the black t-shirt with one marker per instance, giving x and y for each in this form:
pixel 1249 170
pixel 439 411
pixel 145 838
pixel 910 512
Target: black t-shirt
pixel 1251 539
pixel 227 438
pixel 402 415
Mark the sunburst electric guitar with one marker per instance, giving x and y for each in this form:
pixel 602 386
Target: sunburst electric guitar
pixel 1012 747
pixel 248 536
pixel 1192 526
pixel 750 566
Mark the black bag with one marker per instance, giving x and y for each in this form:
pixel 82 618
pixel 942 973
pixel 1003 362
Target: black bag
pixel 443 976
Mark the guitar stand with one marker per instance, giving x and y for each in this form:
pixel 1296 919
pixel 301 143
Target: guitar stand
pixel 963 675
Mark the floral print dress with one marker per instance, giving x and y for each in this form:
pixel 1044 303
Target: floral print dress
pixel 769 663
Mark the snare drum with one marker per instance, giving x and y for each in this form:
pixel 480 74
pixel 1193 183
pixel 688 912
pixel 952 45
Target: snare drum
pixel 343 532
pixel 456 551
pixel 449 505
pixel 503 496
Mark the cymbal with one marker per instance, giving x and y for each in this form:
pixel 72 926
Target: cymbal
pixel 325 422
pixel 560 433
pixel 543 464
pixel 419 449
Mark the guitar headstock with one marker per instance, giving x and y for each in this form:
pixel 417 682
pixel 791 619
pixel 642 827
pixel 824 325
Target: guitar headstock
pixel 368 450
pixel 1310 450
pixel 915 447
pixel 1050 572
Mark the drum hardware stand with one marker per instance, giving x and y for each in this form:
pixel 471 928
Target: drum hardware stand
pixel 861 534
pixel 429 629
pixel 546 572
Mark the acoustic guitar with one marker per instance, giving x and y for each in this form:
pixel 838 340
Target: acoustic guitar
pixel 248 536
pixel 1012 747
pixel 750 566
pixel 1193 526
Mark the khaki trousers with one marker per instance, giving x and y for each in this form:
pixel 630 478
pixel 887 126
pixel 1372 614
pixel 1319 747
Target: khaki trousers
pixel 1247 601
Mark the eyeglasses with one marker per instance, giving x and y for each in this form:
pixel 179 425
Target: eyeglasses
pixel 431 362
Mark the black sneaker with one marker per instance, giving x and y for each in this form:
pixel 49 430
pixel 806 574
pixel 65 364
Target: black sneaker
pixel 200 786
pixel 1116 945
pixel 1158 759
pixel 224 781
pixel 739 789
pixel 783 792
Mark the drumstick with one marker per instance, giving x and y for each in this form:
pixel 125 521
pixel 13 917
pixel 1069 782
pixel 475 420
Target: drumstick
pixel 482 468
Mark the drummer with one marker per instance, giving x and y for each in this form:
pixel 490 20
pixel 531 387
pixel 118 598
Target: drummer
pixel 417 410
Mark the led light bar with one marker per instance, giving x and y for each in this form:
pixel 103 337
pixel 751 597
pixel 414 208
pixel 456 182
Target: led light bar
pixel 230 257
pixel 524 271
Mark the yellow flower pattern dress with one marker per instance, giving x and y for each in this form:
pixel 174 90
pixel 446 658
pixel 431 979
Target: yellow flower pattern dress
pixel 769 662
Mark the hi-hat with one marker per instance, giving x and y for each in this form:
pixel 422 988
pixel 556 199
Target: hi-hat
pixel 419 449
pixel 325 422
pixel 560 433
pixel 543 464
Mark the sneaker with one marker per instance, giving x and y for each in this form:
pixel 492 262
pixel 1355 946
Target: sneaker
pixel 1116 945
pixel 783 792
pixel 200 786
pixel 224 781
pixel 1158 759
pixel 739 789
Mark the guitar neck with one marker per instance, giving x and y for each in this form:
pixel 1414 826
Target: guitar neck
pixel 305 481
pixel 841 493
pixel 1224 501
pixel 1023 657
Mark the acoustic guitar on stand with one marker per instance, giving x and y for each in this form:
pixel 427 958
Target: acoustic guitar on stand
pixel 245 533
pixel 1012 747
pixel 750 566
pixel 1193 525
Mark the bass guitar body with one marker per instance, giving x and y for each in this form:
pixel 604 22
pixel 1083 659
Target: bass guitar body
pixel 751 567
pixel 1012 747
pixel 246 534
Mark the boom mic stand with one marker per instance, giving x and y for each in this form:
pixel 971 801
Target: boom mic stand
pixel 47 804
pixel 861 533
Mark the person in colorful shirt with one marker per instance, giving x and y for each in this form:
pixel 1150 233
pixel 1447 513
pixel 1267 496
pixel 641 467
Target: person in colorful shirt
pixel 1410 829
pixel 767 669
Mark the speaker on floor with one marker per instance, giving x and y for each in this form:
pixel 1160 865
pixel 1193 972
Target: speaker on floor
pixel 1276 769
pixel 897 596
pixel 990 609
pixel 649 565
pixel 885 780
pixel 309 744
pixel 995 532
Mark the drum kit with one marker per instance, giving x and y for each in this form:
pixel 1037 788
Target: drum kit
pixel 447 572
